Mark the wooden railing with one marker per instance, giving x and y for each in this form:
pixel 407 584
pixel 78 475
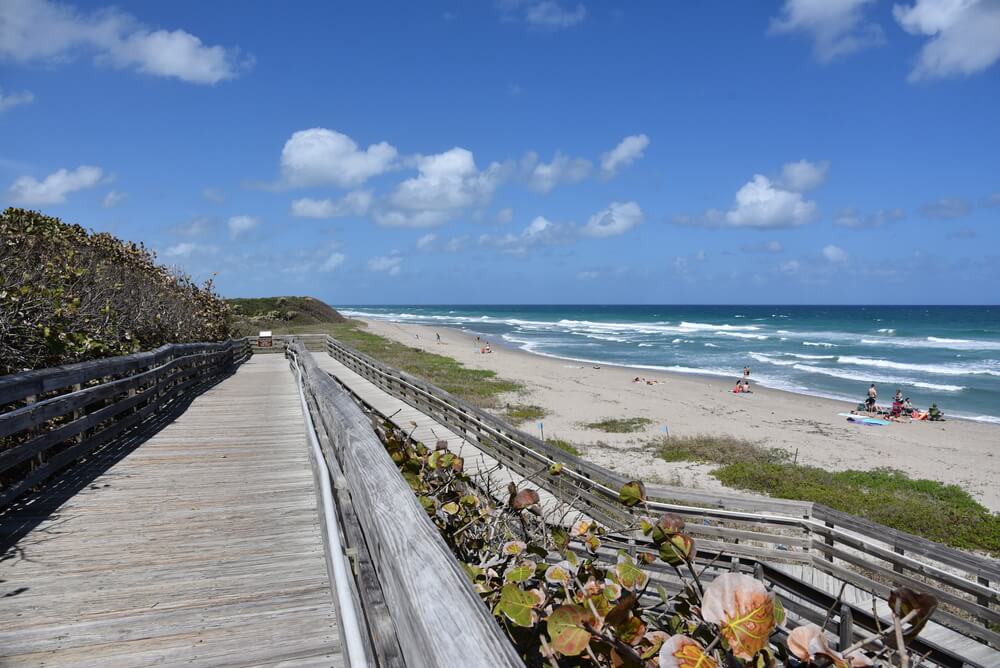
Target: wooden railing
pixel 51 418
pixel 436 616
pixel 779 538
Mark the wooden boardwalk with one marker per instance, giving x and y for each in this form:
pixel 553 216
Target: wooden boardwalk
pixel 202 546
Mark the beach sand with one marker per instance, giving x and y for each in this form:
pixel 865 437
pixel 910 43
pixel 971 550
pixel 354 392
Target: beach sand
pixel 957 451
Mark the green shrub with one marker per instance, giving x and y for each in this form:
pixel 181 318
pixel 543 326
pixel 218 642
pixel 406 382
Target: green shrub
pixel 520 413
pixel 943 513
pixel 68 295
pixel 620 425
pixel 564 445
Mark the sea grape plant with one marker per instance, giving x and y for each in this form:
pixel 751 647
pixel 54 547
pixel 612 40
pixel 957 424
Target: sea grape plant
pixel 567 594
pixel 68 294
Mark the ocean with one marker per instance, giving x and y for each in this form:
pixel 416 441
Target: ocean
pixel 948 355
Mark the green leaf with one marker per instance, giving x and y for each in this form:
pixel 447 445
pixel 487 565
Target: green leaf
pixel 521 572
pixel 632 493
pixel 629 574
pixel 565 627
pixel 518 605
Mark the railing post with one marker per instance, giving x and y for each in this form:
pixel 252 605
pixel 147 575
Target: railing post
pixel 846 627
pixel 829 541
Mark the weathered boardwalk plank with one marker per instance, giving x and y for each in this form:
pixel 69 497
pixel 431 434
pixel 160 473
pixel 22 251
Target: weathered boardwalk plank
pixel 200 547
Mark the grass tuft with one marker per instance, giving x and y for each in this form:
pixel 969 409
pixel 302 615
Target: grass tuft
pixel 943 513
pixel 563 445
pixel 520 413
pixel 620 425
pixel 706 448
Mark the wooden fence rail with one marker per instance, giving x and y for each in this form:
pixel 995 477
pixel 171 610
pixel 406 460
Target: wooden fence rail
pixel 871 557
pixel 439 619
pixel 51 418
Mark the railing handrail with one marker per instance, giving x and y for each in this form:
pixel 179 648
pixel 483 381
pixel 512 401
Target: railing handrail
pixel 58 415
pixel 439 618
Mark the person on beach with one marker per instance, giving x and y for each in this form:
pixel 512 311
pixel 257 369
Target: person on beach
pixel 739 387
pixel 907 406
pixel 899 395
pixel 746 385
pixel 872 397
pixel 438 337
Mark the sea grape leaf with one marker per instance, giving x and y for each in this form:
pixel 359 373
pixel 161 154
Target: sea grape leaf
pixel 743 608
pixel 677 549
pixel 560 538
pixel 629 575
pixel 524 570
pixel 565 627
pixel 904 600
pixel 632 493
pixel 518 605
pixel 621 611
pixel 680 651
pixel 524 499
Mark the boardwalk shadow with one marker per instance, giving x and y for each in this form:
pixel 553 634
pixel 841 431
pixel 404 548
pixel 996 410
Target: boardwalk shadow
pixel 42 504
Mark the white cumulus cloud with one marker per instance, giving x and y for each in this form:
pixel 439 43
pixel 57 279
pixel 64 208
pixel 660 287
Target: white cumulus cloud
pixel 804 175
pixel 11 100
pixel 238 225
pixel 52 32
pixel 964 35
pixel 618 218
pixel 762 204
pixel 835 253
pixel 446 184
pixel 628 151
pixel 837 27
pixel 389 264
pixel 319 156
pixel 539 231
pixel 352 204
pixel 543 177
pixel 54 188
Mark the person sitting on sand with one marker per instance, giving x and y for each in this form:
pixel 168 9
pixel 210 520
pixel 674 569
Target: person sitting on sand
pixel 636 380
pixel 934 414
pixel 899 395
pixel 746 385
pixel 897 408
pixel 907 406
pixel 738 388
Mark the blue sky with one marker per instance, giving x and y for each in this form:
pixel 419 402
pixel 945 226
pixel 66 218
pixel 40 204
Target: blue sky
pixel 522 151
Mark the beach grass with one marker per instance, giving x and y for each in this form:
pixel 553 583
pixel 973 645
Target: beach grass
pixel 564 445
pixel 943 513
pixel 620 425
pixel 521 413
pixel 477 386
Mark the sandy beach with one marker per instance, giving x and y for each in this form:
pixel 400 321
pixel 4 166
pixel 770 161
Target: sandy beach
pixel 573 393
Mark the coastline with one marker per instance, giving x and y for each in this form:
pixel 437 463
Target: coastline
pixel 572 393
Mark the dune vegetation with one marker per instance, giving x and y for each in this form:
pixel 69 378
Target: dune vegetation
pixel 69 294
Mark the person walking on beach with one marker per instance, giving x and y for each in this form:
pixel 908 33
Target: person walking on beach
pixel 438 337
pixel 746 377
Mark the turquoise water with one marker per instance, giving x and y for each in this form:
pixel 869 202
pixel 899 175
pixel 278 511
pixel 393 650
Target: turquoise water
pixel 949 355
